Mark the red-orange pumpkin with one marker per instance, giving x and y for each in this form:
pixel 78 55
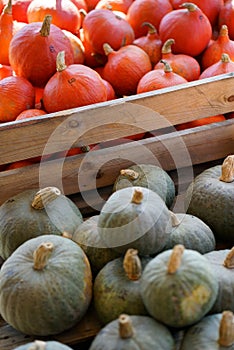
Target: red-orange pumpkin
pixel 159 78
pixel 29 113
pixel 226 16
pixel 189 27
pixel 214 51
pixel 103 26
pixel 34 48
pixel 114 5
pixel 5 71
pixel 6 33
pixel 147 11
pixel 65 14
pixel 19 10
pixel 150 43
pixel 77 45
pixel 16 95
pixel 200 122
pixel 223 66
pixel 210 8
pixel 184 65
pixel 72 86
pixel 125 68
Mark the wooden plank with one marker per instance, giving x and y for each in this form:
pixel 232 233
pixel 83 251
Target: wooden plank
pixel 99 168
pixel 117 118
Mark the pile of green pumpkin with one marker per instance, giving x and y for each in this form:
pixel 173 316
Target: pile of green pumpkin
pixel 150 273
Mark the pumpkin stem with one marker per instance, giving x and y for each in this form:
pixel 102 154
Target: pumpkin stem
pixel 132 264
pixel 38 345
pixel 225 58
pixel 129 173
pixel 189 6
pixel 166 48
pixel 167 66
pixel 226 329
pixel 44 197
pixel 60 61
pixel 8 8
pixel 227 169
pixel 45 28
pixel 174 219
pixel 151 27
pixel 223 30
pixel 107 49
pixel 41 255
pixel 229 260
pixel 125 327
pixel 137 196
pixel 175 259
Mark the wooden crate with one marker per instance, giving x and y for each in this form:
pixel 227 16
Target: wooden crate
pixel 88 178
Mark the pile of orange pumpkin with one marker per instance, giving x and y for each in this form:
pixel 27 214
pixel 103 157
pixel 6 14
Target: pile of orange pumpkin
pixel 57 55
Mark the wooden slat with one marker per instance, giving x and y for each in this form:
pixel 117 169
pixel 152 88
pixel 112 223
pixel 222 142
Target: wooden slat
pixel 100 168
pixel 117 118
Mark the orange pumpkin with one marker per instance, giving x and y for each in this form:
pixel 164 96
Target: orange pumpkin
pixel 72 86
pixel 159 78
pixel 214 51
pixel 103 26
pixel 201 121
pixel 223 66
pixel 6 33
pixel 19 10
pixel 114 5
pixel 226 16
pixel 184 65
pixel 125 67
pixel 189 27
pixel 16 95
pixel 29 113
pixel 34 48
pixel 77 45
pixel 65 14
pixel 150 43
pixel 5 71
pixel 147 11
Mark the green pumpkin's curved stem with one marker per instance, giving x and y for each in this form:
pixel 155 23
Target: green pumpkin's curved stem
pixel 38 345
pixel 129 173
pixel 226 329
pixel 227 169
pixel 41 255
pixel 125 327
pixel 45 196
pixel 132 265
pixel 137 196
pixel 229 260
pixel 175 259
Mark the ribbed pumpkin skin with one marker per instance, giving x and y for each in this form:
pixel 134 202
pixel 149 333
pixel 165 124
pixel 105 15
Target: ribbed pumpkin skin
pixel 16 95
pixel 143 226
pixel 183 298
pixel 88 238
pixel 20 222
pixel 115 293
pixel 50 302
pixel 148 333
pixel 212 201
pixel 193 233
pixel 204 335
pixel 50 345
pixel 152 177
pixel 33 56
pixel 225 276
pixel 75 86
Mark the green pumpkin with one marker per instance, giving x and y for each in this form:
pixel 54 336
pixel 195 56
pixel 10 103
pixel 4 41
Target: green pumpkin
pixel 213 332
pixel 178 287
pixel 117 287
pixel 45 286
pixel 42 345
pixel 192 232
pixel 210 197
pixel 133 333
pixel 135 217
pixel 32 213
pixel 88 238
pixel 222 263
pixel 149 176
